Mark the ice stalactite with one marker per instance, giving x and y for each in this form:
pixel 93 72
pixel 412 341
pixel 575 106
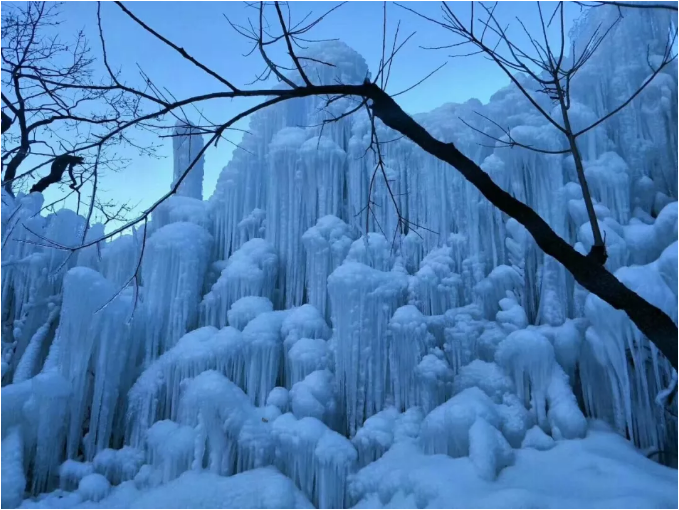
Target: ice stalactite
pixel 621 371
pixel 250 271
pixel 528 357
pixel 39 407
pixel 155 394
pixel 363 301
pixel 436 286
pixel 373 250
pixel 225 207
pixel 489 291
pixel 263 344
pixel 409 341
pixel 304 357
pixel 71 472
pixel 317 459
pixel 286 220
pixel 323 165
pixel 30 361
pixel 187 143
pixel 170 449
pixel 252 226
pixel 304 324
pixel 445 430
pixel 433 378
pixel 376 436
pixel 246 309
pixel 13 477
pixel 461 336
pixel 176 259
pixel 608 180
pixel 315 397
pixel 326 244
pixel 541 384
pixel 218 411
pixel 643 132
pixel 32 279
pixel 118 466
pixel 95 353
pixel 120 257
pixel 180 208
pixel 91 256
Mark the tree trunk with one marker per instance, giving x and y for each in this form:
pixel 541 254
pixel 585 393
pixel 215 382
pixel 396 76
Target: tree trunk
pixel 589 273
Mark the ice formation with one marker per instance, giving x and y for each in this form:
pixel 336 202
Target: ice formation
pixel 187 143
pixel 271 353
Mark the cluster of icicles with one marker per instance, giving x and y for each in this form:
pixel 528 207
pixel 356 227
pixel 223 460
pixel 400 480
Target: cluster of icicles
pixel 268 331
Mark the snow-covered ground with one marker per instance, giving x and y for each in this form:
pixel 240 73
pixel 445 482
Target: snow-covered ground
pixel 275 355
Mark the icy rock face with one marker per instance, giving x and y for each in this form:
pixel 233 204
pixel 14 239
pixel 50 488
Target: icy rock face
pixel 187 144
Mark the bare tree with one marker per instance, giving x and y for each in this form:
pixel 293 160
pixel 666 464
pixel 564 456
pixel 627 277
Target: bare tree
pixel 371 94
pixel 53 108
pixel 552 71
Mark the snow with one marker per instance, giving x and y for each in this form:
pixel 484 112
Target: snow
pixel 246 309
pixel 155 394
pixel 250 271
pixel 326 244
pixel 599 471
pixel 272 353
pixel 72 471
pixel 94 487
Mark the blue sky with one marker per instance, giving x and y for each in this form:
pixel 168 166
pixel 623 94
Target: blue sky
pixel 200 27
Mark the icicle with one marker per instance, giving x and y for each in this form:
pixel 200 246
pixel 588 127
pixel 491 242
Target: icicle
pixel 376 436
pixel 251 271
pixel 187 143
pixel 176 259
pixel 436 286
pixel 620 370
pixel 263 354
pixel 528 357
pixel 155 394
pixel 408 342
pixel 446 429
pixel 304 322
pixel 326 245
pixel 315 397
pixel 170 448
pixel 220 411
pixel 246 309
pixel 13 479
pixel 363 300
pixel 92 350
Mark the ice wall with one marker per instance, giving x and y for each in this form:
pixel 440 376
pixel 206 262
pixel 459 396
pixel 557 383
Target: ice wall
pixel 267 328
